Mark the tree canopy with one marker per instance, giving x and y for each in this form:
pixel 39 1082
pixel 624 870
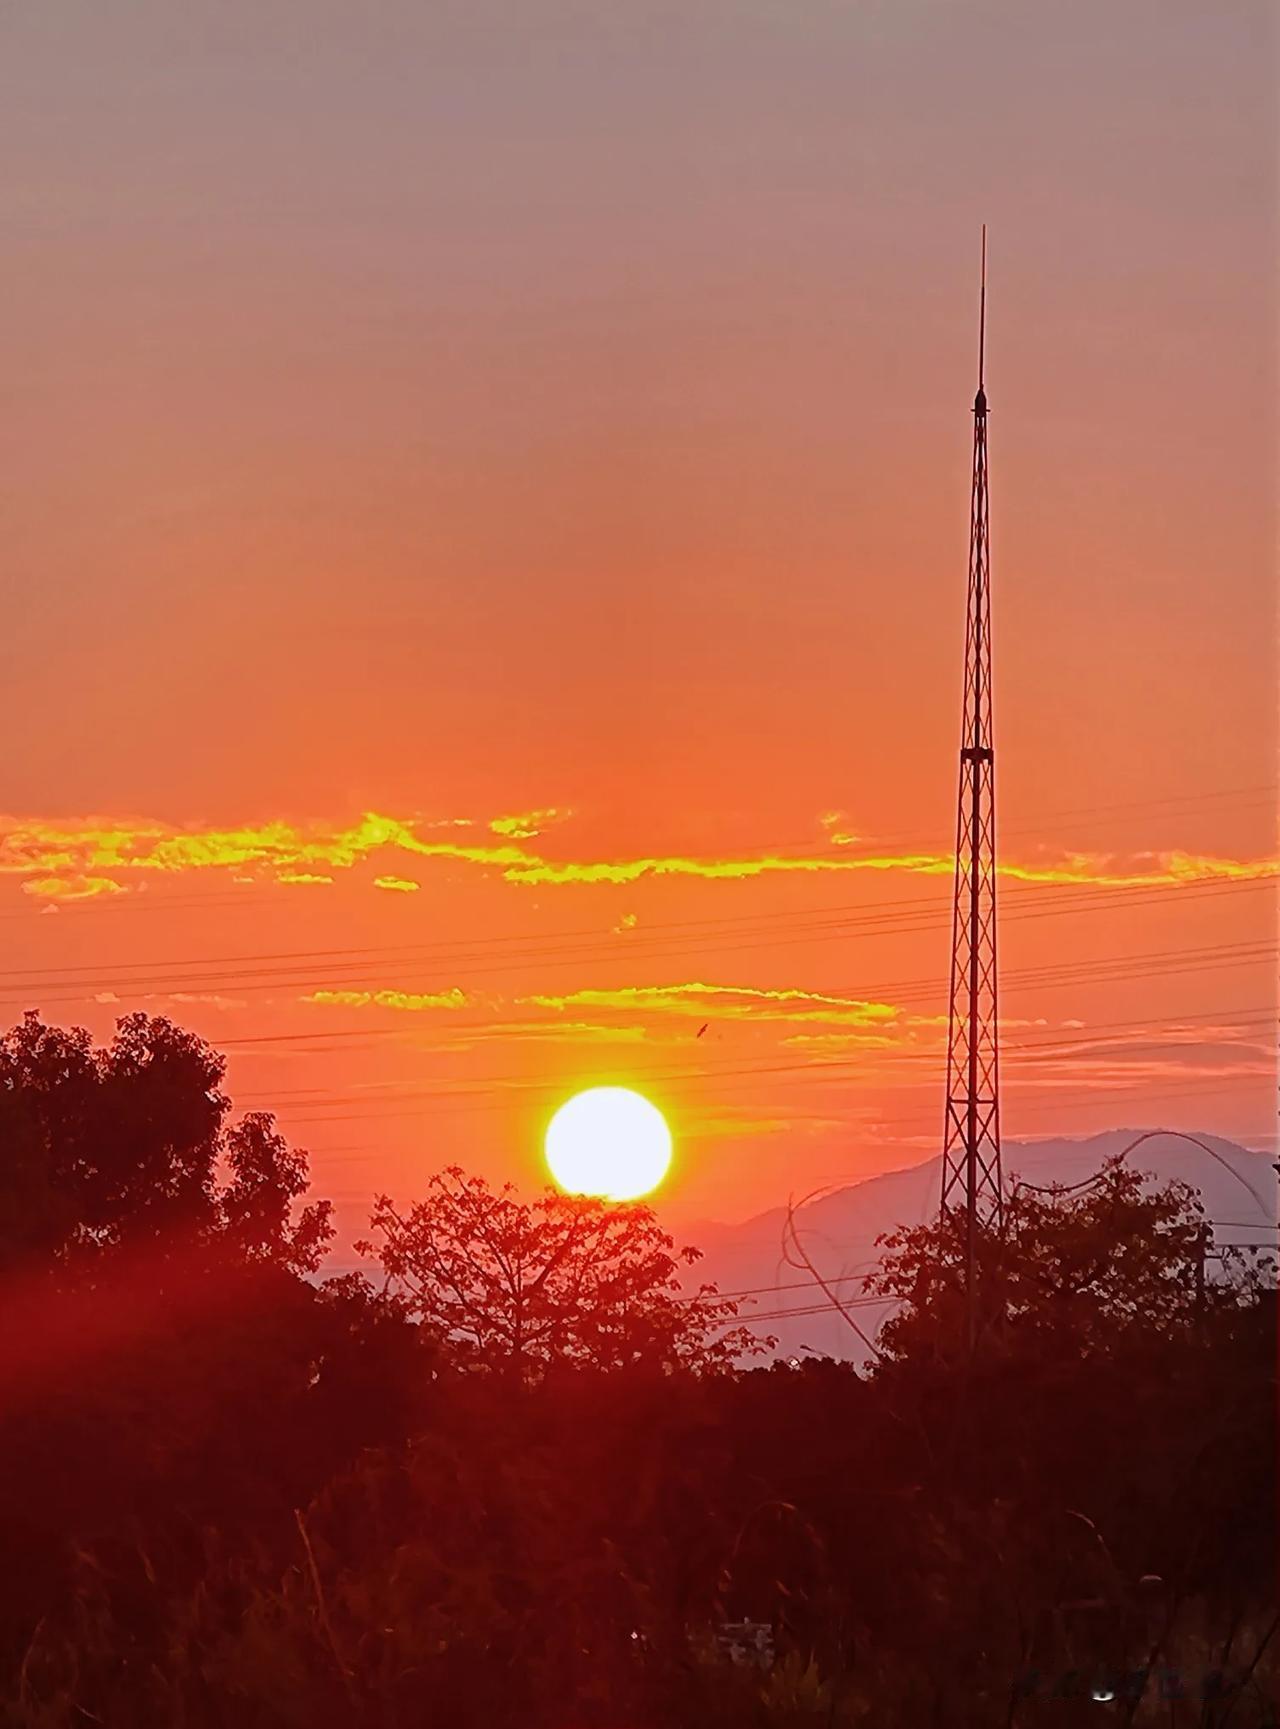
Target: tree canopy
pixel 1080 1268
pixel 520 1285
pixel 128 1146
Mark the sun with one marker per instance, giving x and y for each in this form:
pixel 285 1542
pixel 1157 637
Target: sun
pixel 608 1141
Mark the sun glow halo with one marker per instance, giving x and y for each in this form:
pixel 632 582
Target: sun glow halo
pixel 608 1141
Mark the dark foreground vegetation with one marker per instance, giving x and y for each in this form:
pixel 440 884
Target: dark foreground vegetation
pixel 518 1478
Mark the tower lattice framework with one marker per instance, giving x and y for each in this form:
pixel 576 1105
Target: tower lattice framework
pixel 971 1138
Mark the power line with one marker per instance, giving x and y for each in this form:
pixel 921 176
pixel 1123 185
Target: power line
pixel 295 978
pixel 1057 1043
pixel 751 1316
pixel 403 1029
pixel 564 947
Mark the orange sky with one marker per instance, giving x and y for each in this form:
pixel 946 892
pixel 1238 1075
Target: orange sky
pixel 462 412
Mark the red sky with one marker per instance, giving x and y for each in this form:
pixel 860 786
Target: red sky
pixel 421 417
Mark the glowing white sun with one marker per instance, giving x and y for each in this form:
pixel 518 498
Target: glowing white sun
pixel 610 1142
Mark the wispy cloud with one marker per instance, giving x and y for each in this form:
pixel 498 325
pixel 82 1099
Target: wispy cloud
pixel 202 999
pixel 72 888
pixel 32 847
pixel 725 1002
pixel 747 1124
pixel 207 999
pixel 1097 870
pixel 71 860
pixel 414 1001
pixel 553 1032
pixel 836 825
pixel 1140 1065
pixel 529 824
pixel 870 1036
pixel 398 885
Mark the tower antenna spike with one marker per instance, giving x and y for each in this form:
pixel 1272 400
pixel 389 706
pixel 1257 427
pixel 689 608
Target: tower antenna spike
pixel 982 314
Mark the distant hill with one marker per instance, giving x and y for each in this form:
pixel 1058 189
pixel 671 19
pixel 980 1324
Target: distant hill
pixel 839 1230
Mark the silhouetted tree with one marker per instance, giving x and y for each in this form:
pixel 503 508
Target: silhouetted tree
pixel 159 1348
pixel 104 1147
pixel 1077 1268
pixel 506 1283
pixel 124 1147
pixel 267 1178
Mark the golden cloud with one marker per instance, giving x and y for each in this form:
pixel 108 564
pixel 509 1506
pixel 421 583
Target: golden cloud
pixel 72 888
pixel 838 832
pixel 398 885
pixel 28 847
pixel 529 824
pixel 450 999
pixel 1152 870
pixel 859 1039
pixel 726 1002
pixel 73 855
